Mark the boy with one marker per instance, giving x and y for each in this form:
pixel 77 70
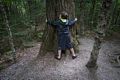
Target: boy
pixel 62 26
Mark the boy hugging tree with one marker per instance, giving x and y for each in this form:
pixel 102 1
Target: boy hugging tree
pixel 63 25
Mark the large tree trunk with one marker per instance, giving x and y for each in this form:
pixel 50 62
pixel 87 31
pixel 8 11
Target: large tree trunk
pixel 100 33
pixel 53 9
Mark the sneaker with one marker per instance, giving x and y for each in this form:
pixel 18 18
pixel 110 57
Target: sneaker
pixel 56 57
pixel 73 57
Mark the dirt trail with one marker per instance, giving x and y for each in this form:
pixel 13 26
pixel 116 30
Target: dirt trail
pixel 48 68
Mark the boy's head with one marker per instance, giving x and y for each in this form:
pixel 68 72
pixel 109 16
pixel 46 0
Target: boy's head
pixel 64 15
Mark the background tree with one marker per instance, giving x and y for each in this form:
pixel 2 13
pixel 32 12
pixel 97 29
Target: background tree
pixel 10 36
pixel 102 28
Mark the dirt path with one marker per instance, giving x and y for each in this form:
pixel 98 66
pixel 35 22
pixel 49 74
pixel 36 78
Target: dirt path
pixel 48 68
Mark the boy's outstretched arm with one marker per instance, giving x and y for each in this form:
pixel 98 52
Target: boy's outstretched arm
pixel 52 23
pixel 72 22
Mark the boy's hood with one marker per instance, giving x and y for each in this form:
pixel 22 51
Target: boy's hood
pixel 64 21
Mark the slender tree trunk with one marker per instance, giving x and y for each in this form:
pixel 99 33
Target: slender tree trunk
pixel 53 9
pixel 29 2
pixel 113 14
pixel 92 12
pixel 82 16
pixel 100 33
pixel 9 31
pixel 117 16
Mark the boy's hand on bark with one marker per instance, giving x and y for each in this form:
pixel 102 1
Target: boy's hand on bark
pixel 76 19
pixel 46 20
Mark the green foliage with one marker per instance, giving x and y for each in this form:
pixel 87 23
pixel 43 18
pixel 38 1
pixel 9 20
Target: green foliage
pixel 88 12
pixel 40 34
pixel 23 16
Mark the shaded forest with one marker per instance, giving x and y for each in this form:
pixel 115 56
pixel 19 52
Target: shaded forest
pixel 22 25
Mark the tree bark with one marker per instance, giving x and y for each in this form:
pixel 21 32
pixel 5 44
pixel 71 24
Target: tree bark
pixel 91 14
pixel 81 16
pixel 100 33
pixel 53 9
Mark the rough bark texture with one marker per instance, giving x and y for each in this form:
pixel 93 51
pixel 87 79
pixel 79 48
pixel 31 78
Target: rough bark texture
pixel 100 33
pixel 95 52
pixel 53 9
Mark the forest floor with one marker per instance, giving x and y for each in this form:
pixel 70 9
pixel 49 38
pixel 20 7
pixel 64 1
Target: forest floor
pixel 31 67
